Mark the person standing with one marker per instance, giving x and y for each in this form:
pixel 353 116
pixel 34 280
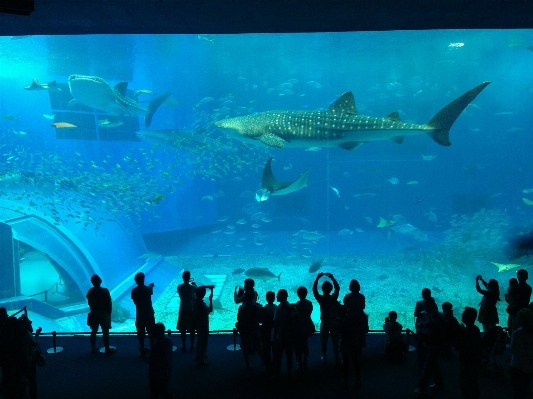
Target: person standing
pixel 488 313
pixel 187 294
pixel 468 344
pixel 201 323
pixel 521 367
pixel 101 306
pixel 285 317
pixel 329 311
pixel 306 328
pixel 420 307
pixel 145 314
pixel 160 365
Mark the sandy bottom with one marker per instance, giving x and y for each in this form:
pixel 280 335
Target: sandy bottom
pixel 388 282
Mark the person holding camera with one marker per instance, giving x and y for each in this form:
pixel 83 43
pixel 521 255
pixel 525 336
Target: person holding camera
pixel 145 314
pixel 329 310
pixel 187 294
pixel 488 313
pixel 201 322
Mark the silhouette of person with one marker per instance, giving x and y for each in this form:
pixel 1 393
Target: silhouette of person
pixel 101 306
pixel 160 363
pixel 523 297
pixel 3 362
pixel 284 330
pixel 248 317
pixel 238 294
pixel 306 328
pixel 354 297
pixel 511 296
pixel 521 367
pixel 329 310
pixel 201 322
pixel 353 330
pixel 420 307
pixel 145 315
pixel 468 344
pixel 488 313
pixel 450 326
pixel 267 324
pixel 429 334
pixel 187 294
pixel 394 345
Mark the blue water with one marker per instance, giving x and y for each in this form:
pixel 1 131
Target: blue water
pixel 214 77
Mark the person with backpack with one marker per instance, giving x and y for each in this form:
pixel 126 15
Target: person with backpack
pixel 429 333
pixel 285 324
pixel 353 329
pixel 521 367
pixel 329 310
pixel 248 317
pixel 306 328
pixel 419 308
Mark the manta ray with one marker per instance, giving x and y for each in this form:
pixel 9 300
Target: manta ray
pixel 35 85
pixel 341 125
pixel 95 92
pixel 270 186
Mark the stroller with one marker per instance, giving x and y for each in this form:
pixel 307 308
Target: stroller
pixel 493 349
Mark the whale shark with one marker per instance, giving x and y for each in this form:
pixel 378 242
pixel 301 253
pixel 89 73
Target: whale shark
pixel 270 186
pixel 340 125
pixel 95 92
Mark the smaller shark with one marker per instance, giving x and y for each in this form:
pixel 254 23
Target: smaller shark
pixel 95 92
pixel 270 186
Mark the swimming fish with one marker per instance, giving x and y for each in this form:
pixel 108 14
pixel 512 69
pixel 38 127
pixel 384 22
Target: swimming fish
pixel 502 267
pixel 261 273
pixel 315 266
pixel 335 191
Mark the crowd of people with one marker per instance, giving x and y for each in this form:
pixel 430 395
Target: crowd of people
pixel 276 331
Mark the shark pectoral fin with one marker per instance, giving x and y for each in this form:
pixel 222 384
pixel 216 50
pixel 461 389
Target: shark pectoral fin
pixel 122 87
pixel 398 139
pixel 350 145
pixel 272 140
pixel 441 123
pixel 345 104
pixel 394 116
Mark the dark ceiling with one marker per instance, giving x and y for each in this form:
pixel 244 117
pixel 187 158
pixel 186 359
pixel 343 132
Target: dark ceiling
pixel 243 16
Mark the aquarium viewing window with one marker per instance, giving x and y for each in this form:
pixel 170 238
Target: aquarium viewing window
pixel 400 159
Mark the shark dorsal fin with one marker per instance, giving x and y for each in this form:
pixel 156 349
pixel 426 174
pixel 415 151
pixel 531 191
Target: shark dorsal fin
pixel 345 104
pixel 394 116
pixel 121 88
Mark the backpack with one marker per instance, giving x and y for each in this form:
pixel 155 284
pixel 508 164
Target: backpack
pixel 429 328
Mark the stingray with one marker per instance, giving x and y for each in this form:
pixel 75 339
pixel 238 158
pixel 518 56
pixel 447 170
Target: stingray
pixel 270 186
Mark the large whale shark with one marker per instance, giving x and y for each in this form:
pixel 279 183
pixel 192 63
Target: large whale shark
pixel 95 92
pixel 341 125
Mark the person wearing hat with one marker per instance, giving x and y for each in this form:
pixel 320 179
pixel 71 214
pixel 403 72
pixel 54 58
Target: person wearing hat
pixel 521 367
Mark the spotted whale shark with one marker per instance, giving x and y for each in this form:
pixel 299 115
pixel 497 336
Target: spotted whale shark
pixel 341 125
pixel 95 92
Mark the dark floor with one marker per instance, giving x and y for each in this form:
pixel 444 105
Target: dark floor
pixel 76 373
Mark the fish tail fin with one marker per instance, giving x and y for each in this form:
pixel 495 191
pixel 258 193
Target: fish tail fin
pixel 152 107
pixel 279 277
pixel 441 123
